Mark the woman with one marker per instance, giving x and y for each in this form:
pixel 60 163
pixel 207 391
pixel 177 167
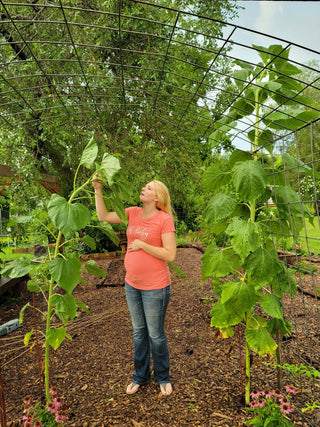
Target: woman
pixel 151 245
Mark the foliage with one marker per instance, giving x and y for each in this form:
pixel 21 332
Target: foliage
pixel 239 207
pixel 270 408
pixel 65 107
pixel 50 415
pixel 63 268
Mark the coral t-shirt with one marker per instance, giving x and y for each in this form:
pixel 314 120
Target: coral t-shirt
pixel 145 271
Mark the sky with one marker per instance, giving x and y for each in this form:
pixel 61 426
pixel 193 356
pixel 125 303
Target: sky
pixel 293 21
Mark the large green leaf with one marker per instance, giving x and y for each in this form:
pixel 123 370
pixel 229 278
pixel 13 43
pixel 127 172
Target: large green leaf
pixel 271 304
pixel 239 156
pixel 218 262
pixel 269 53
pixel 237 297
pixel 92 268
pixel 67 217
pixel 65 304
pixel 289 202
pixel 263 265
pixel 55 337
pixel 274 325
pixel 213 178
pixel 16 268
pixel 89 241
pixel 249 179
pixel 89 154
pixel 241 108
pixel 222 318
pixel 110 165
pixel 109 231
pixel 118 207
pixel 219 207
pixel 260 341
pixel 284 282
pixel 291 119
pixel 297 165
pixel 66 272
pixel 246 236
pixel 264 138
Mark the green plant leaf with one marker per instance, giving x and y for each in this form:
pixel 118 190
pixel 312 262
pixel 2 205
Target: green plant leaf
pixel 218 262
pixel 118 207
pixel 55 337
pixel 32 286
pixel 92 268
pixel 82 306
pixel 66 272
pixel 263 265
pixel 89 154
pixel 89 241
pixel 246 236
pixel 238 298
pixel 269 53
pixel 22 311
pixel 271 304
pixel 108 230
pixel 213 178
pixel 289 203
pixel 241 108
pixel 249 179
pixel 27 337
pixel 291 119
pixel 67 217
pixel 65 304
pixel 255 321
pixel 284 282
pixel 16 268
pixel 239 156
pixel 110 165
pixel 222 318
pixel 265 138
pixel 295 164
pixel 260 341
pixel 274 325
pixel 219 207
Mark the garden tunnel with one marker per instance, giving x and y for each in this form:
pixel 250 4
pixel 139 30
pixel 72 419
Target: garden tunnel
pixel 166 80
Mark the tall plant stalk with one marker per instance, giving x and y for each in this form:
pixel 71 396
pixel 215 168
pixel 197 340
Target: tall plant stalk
pixel 64 269
pixel 238 208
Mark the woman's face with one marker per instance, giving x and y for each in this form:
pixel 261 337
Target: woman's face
pixel 148 193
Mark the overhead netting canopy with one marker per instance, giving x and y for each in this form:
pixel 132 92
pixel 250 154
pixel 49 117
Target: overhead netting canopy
pixel 61 59
pixel 133 66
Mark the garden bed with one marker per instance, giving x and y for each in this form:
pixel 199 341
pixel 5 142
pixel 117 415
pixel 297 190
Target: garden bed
pixel 92 371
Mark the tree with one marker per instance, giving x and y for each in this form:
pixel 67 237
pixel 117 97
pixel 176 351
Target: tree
pixel 71 73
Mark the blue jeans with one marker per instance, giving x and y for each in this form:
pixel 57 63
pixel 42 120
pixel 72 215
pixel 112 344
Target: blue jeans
pixel 148 309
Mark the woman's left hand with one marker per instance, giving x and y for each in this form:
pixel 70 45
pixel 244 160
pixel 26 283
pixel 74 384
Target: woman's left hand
pixel 135 245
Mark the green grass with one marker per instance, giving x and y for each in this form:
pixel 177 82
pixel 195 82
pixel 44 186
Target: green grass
pixel 7 254
pixel 310 237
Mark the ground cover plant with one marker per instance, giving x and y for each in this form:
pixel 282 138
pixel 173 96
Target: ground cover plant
pixel 240 208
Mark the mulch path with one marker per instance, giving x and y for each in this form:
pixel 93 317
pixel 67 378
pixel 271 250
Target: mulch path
pixel 92 371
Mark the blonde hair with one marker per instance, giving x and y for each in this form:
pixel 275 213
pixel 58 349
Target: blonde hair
pixel 164 201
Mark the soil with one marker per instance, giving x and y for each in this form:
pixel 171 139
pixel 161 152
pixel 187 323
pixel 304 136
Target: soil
pixel 91 372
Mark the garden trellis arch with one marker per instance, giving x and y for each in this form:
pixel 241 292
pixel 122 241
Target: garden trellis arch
pixel 95 68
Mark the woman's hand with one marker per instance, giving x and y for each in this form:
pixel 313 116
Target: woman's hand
pixel 97 181
pixel 135 245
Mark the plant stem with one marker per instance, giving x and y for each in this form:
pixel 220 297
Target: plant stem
pixel 248 367
pixel 47 345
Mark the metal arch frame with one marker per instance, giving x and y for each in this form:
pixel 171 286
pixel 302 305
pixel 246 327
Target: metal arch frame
pixel 162 72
